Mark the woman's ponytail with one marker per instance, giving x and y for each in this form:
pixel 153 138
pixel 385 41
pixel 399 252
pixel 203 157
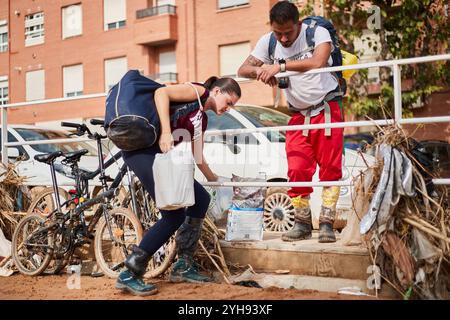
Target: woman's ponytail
pixel 209 84
pixel 226 85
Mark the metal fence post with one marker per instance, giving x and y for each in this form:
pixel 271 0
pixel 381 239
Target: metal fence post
pixel 4 135
pixel 397 94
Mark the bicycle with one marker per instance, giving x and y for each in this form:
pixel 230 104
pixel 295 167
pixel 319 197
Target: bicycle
pixel 135 197
pixel 117 229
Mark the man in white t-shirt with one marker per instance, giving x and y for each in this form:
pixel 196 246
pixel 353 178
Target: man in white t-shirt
pixel 313 98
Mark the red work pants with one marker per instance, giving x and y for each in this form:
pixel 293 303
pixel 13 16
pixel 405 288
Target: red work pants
pixel 305 153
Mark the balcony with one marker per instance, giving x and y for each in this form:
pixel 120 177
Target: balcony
pixel 156 26
pixel 167 77
pixel 156 11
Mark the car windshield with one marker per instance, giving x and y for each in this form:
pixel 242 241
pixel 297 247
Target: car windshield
pixel 41 134
pixel 264 117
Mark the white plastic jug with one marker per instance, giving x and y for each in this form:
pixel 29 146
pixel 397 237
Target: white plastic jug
pixel 174 178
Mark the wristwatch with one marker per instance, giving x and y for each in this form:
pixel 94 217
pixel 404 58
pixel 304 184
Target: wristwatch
pixel 282 63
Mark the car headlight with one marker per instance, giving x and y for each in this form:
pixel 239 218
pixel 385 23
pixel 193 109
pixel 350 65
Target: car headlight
pixel 64 170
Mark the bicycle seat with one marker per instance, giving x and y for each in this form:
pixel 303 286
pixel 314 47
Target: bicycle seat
pixel 89 175
pixel 75 155
pixel 48 157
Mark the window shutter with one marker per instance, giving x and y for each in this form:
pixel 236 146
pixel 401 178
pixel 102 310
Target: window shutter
pixel 35 85
pixel 114 11
pixel 114 71
pixel 72 20
pixel 73 79
pixel 231 3
pixel 231 57
pixel 3 26
pixel 167 62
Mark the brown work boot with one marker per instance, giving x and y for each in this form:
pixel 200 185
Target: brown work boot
pixel 302 228
pixel 326 220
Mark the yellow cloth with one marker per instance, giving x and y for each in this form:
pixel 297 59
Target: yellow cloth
pixel 330 196
pixel 299 202
pixel 348 59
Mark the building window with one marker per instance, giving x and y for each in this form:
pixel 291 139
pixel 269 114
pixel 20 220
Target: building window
pixel 35 85
pixel 73 80
pixel 167 67
pixel 3 36
pixel 231 57
pixel 72 21
pixel 114 71
pixel 114 14
pixel 34 29
pixel 4 95
pixel 225 4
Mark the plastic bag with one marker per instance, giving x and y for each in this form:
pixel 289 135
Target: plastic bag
pixel 350 235
pixel 246 216
pixel 5 245
pixel 248 197
pixel 423 249
pixel 220 200
pixel 174 179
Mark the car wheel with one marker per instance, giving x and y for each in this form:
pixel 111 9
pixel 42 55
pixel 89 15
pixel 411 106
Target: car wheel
pixel 278 210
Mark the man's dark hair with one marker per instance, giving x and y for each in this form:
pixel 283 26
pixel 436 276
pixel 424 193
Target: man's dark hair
pixel 284 11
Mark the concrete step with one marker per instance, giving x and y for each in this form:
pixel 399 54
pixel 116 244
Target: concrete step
pixel 307 257
pixel 309 264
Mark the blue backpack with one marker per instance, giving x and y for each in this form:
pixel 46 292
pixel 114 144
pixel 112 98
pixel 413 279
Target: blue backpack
pixel 313 22
pixel 131 118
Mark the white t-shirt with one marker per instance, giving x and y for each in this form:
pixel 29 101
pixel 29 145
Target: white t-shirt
pixel 306 89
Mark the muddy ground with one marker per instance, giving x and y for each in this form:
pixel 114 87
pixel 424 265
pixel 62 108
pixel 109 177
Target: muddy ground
pixel 56 288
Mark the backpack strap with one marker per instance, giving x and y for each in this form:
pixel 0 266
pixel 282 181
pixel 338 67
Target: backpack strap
pixel 309 33
pixel 272 46
pixel 198 95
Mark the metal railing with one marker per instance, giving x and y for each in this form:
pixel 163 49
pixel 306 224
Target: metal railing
pixel 155 11
pixel 165 77
pixel 395 64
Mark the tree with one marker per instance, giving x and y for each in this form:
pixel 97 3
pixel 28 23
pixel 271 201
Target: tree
pixel 408 28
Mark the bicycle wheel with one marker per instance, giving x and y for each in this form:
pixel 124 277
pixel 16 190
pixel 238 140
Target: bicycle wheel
pixel 32 245
pixel 62 251
pixel 45 202
pixel 111 251
pixel 162 259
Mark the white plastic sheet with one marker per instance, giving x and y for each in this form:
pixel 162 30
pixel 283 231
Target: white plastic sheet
pixel 396 180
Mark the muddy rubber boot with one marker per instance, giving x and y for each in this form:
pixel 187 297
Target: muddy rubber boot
pixel 128 282
pixel 137 261
pixel 187 237
pixel 302 227
pixel 186 270
pixel 326 220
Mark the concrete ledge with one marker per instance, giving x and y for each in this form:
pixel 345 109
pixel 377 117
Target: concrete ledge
pixel 301 258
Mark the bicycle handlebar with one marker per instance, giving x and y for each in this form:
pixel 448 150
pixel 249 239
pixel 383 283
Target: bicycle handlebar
pixel 71 125
pixel 97 122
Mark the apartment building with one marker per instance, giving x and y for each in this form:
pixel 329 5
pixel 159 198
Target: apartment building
pixel 67 48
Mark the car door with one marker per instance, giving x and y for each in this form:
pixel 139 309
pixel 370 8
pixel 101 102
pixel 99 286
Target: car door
pixel 224 154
